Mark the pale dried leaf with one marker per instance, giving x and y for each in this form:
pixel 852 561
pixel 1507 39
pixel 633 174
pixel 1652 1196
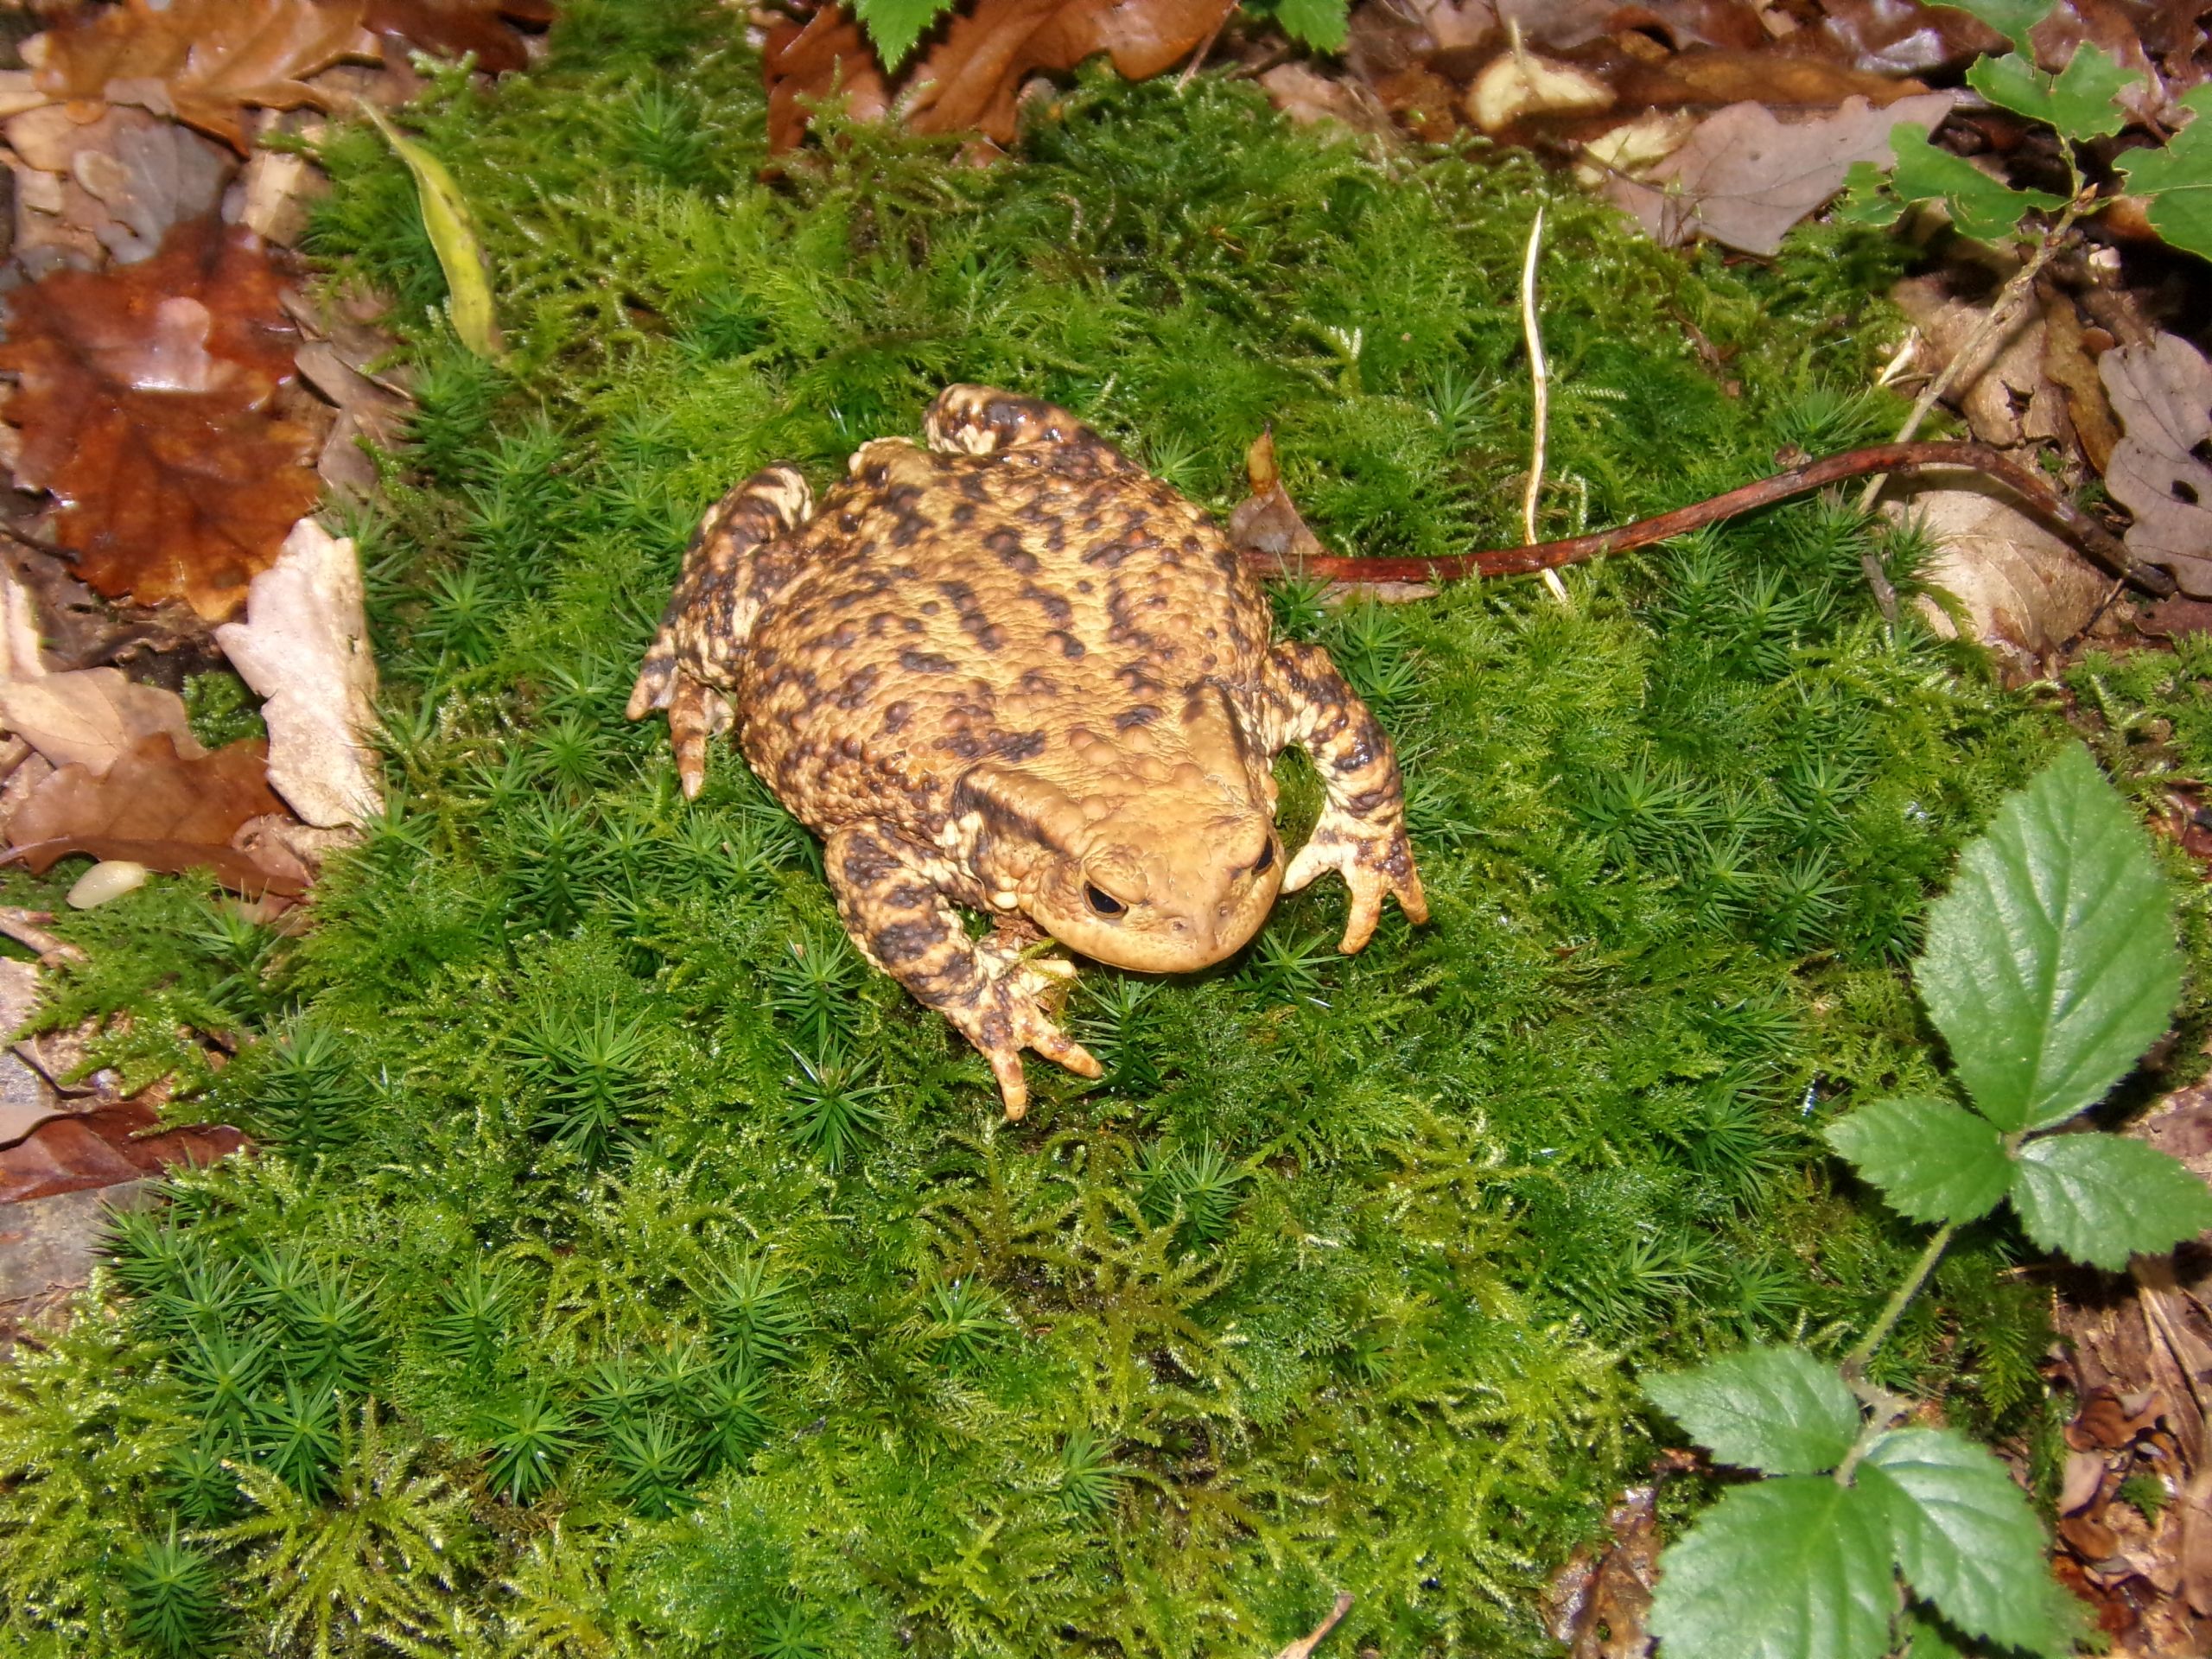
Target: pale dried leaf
pixel 2005 395
pixel 1744 177
pixel 93 716
pixel 304 647
pixel 2026 592
pixel 122 178
pixel 2162 395
pixel 1518 84
pixel 21 656
pixel 26 1099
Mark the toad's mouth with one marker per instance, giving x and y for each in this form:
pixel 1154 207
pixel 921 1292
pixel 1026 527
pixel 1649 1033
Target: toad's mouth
pixel 1151 944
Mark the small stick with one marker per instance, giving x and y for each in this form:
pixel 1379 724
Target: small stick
pixel 1205 48
pixel 24 926
pixel 2038 497
pixel 1303 1648
pixel 1539 381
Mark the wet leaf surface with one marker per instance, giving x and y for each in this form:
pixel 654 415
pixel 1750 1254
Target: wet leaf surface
pixel 145 402
pixel 152 793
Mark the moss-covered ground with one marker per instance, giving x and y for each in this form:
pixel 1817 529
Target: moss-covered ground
pixel 627 1269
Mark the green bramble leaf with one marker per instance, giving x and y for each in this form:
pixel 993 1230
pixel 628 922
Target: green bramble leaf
pixel 2011 18
pixel 2078 100
pixel 893 26
pixel 1325 25
pixel 1927 1639
pixel 2101 1198
pixel 1965 1536
pixel 1794 1568
pixel 1778 1410
pixel 1934 1162
pixel 2177 179
pixel 1978 205
pixel 1867 199
pixel 2050 964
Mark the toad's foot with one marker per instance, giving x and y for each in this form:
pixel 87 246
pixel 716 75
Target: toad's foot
pixel 1374 860
pixel 891 894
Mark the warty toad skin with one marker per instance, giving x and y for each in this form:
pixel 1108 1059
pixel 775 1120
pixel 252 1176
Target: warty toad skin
pixel 1011 671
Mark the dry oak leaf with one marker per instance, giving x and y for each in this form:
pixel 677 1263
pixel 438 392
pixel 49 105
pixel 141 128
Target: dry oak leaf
pixel 453 29
pixel 118 177
pixel 93 717
pixel 143 401
pixel 201 59
pixel 804 66
pixel 973 76
pixel 2162 395
pixel 155 807
pixel 1744 177
pixel 304 647
pixel 2025 593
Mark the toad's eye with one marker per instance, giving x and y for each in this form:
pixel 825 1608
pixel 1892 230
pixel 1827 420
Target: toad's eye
pixel 1266 861
pixel 1105 903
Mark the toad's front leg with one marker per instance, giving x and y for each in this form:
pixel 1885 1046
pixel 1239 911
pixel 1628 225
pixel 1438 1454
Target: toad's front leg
pixel 1363 827
pixel 888 893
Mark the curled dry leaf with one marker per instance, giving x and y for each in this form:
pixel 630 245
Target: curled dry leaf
pixel 2025 591
pixel 807 65
pixel 1307 97
pixel 969 80
pixel 1515 84
pixel 304 647
pixel 144 404
pixel 2161 393
pixel 1744 177
pixel 27 1099
pixel 453 29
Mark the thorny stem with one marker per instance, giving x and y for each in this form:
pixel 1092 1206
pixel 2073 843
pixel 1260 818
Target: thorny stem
pixel 1855 1362
pixel 1993 327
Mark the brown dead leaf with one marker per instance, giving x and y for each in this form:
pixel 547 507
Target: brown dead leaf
pixel 2067 364
pixel 2005 397
pixel 1599 1605
pixel 152 793
pixel 93 177
pixel 2162 396
pixel 200 61
pixel 104 1146
pixel 27 1099
pixel 93 717
pixel 1744 177
pixel 451 28
pixel 804 66
pixel 2026 593
pixel 1307 97
pixel 144 402
pixel 971 77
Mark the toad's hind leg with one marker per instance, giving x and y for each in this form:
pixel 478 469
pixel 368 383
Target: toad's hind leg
pixel 984 420
pixel 888 894
pixel 729 573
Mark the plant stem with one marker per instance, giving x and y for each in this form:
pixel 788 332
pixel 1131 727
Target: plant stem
pixel 1855 1362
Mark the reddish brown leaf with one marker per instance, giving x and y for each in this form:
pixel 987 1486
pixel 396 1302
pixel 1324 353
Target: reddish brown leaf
pixel 152 794
pixel 241 874
pixel 453 28
pixel 805 67
pixel 971 79
pixel 203 59
pixel 145 399
pixel 103 1147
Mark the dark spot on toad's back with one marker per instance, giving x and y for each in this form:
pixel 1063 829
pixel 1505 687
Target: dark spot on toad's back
pixel 925 662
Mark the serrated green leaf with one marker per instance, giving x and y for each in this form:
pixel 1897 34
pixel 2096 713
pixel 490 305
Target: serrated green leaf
pixel 1933 1160
pixel 1978 205
pixel 2101 1198
pixel 2011 18
pixel 2078 100
pixel 1924 1638
pixel 1794 1568
pixel 2050 964
pixel 1775 1409
pixel 1866 197
pixel 893 26
pixel 1964 1536
pixel 1325 25
pixel 2178 179
pixel 453 236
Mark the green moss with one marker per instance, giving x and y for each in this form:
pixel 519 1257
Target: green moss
pixel 705 1304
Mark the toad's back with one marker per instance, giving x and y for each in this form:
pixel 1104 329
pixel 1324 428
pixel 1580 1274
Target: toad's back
pixel 943 609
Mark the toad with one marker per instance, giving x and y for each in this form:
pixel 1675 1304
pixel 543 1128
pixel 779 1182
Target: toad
pixel 1013 673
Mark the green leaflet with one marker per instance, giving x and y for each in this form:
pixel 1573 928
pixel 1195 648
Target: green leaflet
pixel 2079 100
pixel 2050 964
pixel 453 233
pixel 1978 205
pixel 2100 1198
pixel 894 25
pixel 1964 1537
pixel 1775 1409
pixel 2011 18
pixel 1794 1568
pixel 1934 1162
pixel 2178 179
pixel 1324 25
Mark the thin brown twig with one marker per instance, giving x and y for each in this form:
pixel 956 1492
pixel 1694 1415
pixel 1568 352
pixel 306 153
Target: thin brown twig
pixel 1303 1648
pixel 2035 494
pixel 26 927
pixel 1204 51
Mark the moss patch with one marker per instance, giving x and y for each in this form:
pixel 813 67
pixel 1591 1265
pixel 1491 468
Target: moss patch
pixel 630 1269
